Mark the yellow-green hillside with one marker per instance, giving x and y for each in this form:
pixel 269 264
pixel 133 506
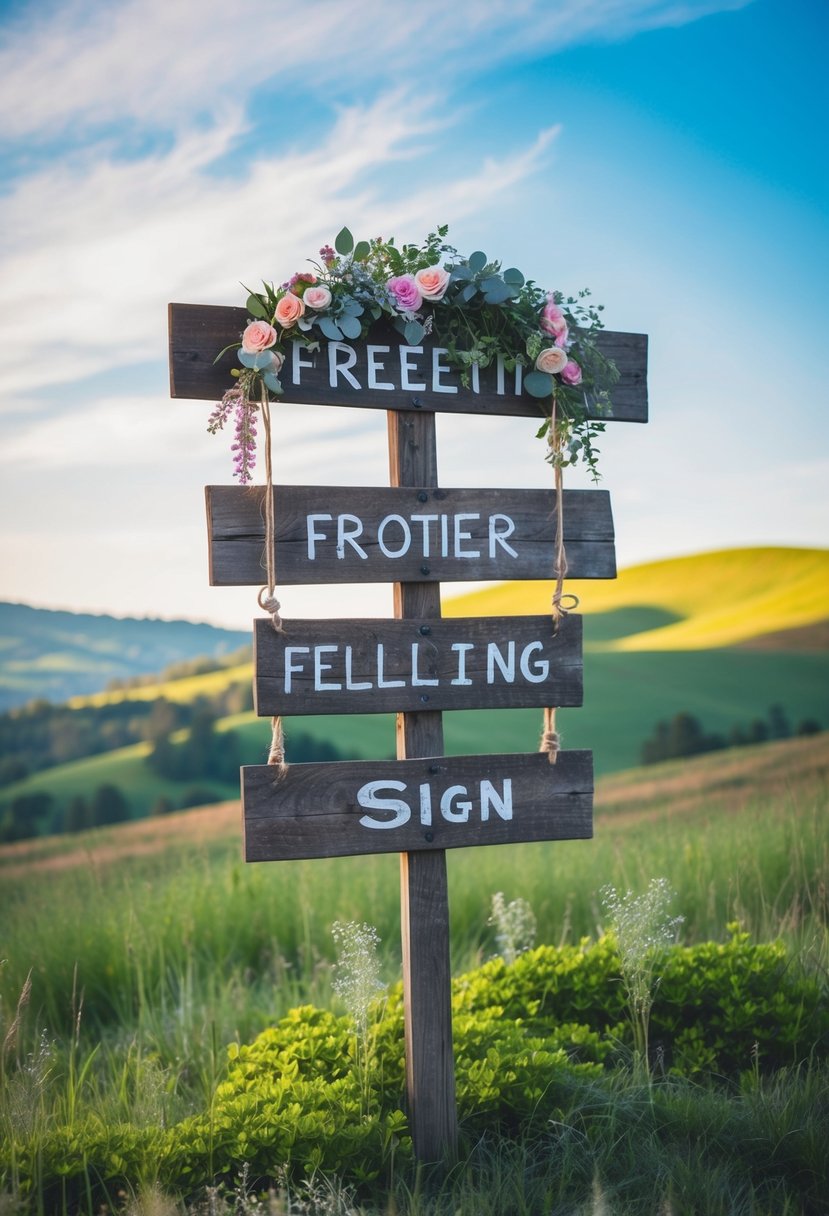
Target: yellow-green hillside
pixel 702 602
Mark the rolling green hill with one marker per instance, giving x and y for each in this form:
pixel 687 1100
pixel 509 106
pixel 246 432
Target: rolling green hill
pixel 58 655
pixel 723 636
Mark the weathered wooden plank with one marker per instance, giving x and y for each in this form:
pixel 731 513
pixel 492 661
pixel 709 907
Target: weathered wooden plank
pixel 424 882
pixel 382 666
pixel 443 802
pixel 404 377
pixel 345 534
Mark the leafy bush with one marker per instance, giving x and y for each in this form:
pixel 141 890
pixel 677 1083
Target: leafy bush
pixel 528 1037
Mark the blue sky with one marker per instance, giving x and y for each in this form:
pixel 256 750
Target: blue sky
pixel 669 155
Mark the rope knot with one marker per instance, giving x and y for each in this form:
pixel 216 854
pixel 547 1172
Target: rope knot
pixel 550 738
pixel 269 603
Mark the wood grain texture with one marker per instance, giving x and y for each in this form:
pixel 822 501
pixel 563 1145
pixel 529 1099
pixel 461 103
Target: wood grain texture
pixel 199 331
pixel 424 882
pixel 512 532
pixel 381 666
pixel 312 810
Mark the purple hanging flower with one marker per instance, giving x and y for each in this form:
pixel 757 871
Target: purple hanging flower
pixel 244 449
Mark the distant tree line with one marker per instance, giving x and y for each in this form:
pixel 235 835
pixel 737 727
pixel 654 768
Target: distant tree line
pixel 28 814
pixel 40 735
pixel 684 735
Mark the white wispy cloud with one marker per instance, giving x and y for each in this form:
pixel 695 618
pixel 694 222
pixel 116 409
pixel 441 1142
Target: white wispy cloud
pixel 159 64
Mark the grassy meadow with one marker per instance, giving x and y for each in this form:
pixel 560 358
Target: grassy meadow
pixel 151 947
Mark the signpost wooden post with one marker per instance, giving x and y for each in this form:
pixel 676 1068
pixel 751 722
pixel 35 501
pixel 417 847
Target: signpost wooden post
pixel 415 534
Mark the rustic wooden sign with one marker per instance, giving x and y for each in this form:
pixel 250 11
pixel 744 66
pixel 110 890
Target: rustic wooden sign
pixel 380 666
pixel 345 534
pixel 381 372
pixel 361 807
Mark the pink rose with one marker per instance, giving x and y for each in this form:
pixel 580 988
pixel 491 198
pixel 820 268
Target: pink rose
pixel 258 337
pixel 571 372
pixel 405 293
pixel 432 282
pixel 553 321
pixel 317 298
pixel 288 310
pixel 552 359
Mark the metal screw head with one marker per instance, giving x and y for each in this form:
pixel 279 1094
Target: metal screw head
pixel 428 837
pixel 416 402
pixel 423 496
pixel 425 697
pixel 424 569
pixel 434 768
pixel 425 630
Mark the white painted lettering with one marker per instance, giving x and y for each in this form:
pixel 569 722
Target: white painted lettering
pixel 476 378
pixel 460 649
pixel 444 535
pixel 500 803
pixel 320 667
pixel 297 361
pixel 343 536
pixel 405 529
pixel 417 682
pixel 507 666
pixel 440 369
pixel 499 376
pixel 425 520
pixel 351 684
pixel 337 368
pixel 407 368
pixel 540 668
pixel 426 804
pixel 459 813
pixel 497 537
pixel 382 682
pixel 519 379
pixel 313 535
pixel 461 535
pixel 375 366
pixel 291 668
pixel 367 798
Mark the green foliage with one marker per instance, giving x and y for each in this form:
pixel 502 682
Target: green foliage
pixel 528 1037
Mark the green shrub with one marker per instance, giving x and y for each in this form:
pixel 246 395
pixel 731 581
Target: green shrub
pixel 528 1037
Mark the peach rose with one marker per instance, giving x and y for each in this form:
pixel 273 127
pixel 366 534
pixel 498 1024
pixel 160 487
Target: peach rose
pixel 317 298
pixel 432 282
pixel 552 359
pixel 258 337
pixel 288 310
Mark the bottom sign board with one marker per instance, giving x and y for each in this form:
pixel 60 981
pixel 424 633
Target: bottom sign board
pixel 401 806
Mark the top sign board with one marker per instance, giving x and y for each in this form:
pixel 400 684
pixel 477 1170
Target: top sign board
pixel 382 372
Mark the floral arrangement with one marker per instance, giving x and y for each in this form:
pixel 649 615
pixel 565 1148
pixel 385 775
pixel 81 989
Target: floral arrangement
pixel 469 306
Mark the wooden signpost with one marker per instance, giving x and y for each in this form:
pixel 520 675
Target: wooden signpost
pixel 415 534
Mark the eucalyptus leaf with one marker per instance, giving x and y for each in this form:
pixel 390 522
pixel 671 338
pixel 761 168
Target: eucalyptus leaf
pixel 543 429
pixel 514 277
pixel 362 250
pixel 476 261
pixel 257 360
pixel 460 274
pixel 273 382
pixel 344 242
pixel 468 292
pixel 538 384
pixel 350 325
pixel 256 308
pixel 497 291
pixel 331 329
pixel 413 333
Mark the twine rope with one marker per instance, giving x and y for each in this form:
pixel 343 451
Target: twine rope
pixel 267 596
pixel 561 603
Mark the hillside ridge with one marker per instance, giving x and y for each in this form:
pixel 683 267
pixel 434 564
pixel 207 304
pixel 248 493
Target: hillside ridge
pixel 705 601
